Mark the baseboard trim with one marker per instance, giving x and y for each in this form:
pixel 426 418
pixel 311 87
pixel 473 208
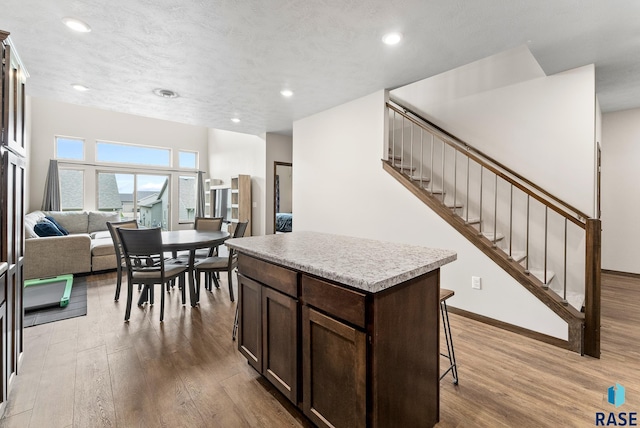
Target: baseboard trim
pixel 620 273
pixel 564 344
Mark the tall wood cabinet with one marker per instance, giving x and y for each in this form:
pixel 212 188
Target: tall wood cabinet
pixel 241 201
pixel 12 208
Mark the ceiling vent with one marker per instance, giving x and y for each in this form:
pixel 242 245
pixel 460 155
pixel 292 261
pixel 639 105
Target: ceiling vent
pixel 165 93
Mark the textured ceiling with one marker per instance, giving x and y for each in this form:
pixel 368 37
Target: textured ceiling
pixel 231 58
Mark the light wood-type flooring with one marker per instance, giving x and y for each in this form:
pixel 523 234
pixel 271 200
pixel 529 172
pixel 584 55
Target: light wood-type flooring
pixel 97 371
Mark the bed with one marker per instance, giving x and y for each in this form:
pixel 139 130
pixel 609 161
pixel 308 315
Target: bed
pixel 283 222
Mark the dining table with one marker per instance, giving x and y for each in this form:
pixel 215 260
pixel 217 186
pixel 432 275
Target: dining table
pixel 191 240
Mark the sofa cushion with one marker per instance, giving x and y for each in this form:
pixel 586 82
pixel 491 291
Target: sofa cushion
pixel 46 228
pixel 101 234
pixel 73 221
pixel 98 220
pixel 58 225
pixel 102 247
pixel 30 220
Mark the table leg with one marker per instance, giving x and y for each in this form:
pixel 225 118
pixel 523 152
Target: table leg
pixel 192 285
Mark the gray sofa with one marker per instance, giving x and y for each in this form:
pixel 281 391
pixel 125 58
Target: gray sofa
pixel 87 248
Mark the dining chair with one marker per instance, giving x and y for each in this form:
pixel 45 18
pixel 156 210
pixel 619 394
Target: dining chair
pixel 113 226
pixel 211 224
pixel 212 265
pixel 146 265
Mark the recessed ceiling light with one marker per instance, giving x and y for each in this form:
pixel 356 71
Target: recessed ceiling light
pixel 165 93
pixel 286 93
pixel 392 38
pixel 235 120
pixel 79 87
pixel 76 25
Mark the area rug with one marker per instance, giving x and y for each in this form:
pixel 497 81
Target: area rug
pixel 77 307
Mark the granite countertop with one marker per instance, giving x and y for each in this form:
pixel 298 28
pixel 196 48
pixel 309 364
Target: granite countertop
pixel 366 264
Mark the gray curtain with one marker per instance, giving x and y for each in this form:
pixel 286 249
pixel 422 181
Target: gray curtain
pixel 51 199
pixel 200 195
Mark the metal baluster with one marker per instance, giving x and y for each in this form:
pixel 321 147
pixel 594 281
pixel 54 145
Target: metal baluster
pixel 411 153
pixel 443 157
pixel 455 179
pixel 495 213
pixel 564 299
pixel 393 140
pixel 401 146
pixel 546 211
pixel 421 157
pixel 511 223
pixel 431 179
pixel 467 203
pixel 526 269
pixel 481 187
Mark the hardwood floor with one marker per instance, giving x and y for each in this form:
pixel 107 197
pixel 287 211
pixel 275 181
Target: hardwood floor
pixel 97 371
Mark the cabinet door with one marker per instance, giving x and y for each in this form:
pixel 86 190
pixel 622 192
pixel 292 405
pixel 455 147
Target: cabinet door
pixel 279 341
pixel 250 321
pixel 13 109
pixel 334 371
pixel 5 374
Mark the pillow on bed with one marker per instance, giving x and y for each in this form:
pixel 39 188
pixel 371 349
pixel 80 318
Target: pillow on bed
pixel 56 224
pixel 45 228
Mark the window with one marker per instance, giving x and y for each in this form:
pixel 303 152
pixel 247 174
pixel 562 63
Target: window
pixel 188 159
pixel 187 199
pixel 128 153
pixel 69 148
pixel 71 189
pixel 136 196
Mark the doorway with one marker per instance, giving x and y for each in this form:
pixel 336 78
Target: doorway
pixel 282 197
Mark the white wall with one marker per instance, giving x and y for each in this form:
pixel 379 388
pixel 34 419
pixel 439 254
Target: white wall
pixel 233 153
pixel 620 200
pixel 541 127
pixel 340 187
pixel 51 118
pixel 279 149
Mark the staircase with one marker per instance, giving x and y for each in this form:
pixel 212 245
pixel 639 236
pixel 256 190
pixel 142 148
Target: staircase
pixel 547 245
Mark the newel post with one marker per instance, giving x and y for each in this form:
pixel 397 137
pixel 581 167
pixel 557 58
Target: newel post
pixel 592 288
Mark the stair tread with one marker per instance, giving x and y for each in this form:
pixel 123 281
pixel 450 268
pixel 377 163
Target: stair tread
pixel 472 220
pixel 489 236
pixel 406 167
pixel 539 273
pixel 518 256
pixel 418 178
pixel 450 204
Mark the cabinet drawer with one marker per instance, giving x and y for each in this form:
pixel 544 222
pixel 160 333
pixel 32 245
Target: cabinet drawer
pixel 340 302
pixel 276 277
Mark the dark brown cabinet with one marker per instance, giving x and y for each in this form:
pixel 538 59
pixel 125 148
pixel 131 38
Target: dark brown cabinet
pixel 269 323
pixel 279 341
pixel 361 359
pixel 12 207
pixel 334 375
pixel 6 372
pixel 250 321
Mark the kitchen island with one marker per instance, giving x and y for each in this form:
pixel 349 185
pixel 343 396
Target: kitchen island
pixel 346 328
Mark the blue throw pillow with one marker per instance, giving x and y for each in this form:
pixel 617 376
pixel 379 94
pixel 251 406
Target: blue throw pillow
pixel 56 224
pixel 45 228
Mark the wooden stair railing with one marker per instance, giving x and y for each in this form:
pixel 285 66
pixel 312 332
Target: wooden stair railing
pixel 431 185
